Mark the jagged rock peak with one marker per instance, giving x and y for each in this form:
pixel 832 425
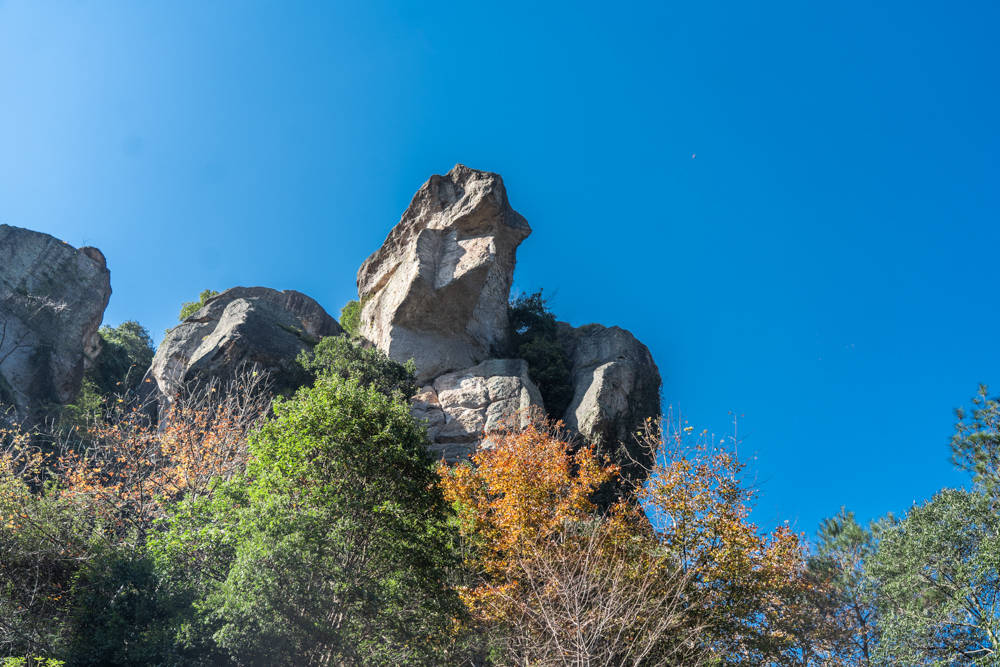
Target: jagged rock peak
pixel 52 301
pixel 243 325
pixel 437 289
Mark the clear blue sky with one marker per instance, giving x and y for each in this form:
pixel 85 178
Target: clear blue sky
pixel 825 265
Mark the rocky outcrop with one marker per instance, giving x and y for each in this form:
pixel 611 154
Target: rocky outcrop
pixel 616 386
pixel 52 301
pixel 436 291
pixel 242 326
pixel 463 406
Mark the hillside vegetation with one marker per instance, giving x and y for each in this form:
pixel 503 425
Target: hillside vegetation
pixel 318 530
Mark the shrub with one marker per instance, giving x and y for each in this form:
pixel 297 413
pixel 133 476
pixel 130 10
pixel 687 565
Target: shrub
pixel 350 317
pixel 126 354
pixel 371 367
pixel 189 308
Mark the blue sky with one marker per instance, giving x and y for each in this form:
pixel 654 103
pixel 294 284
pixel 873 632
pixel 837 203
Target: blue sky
pixel 795 205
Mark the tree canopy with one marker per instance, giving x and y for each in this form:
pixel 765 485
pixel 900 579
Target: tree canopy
pixel 938 577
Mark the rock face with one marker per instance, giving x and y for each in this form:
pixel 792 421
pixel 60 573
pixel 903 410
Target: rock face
pixel 616 387
pixel 52 300
pixel 437 289
pixel 243 325
pixel 461 406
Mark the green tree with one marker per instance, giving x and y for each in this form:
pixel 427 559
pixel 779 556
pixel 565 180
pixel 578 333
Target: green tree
pixel 119 614
pixel 350 317
pixel 937 574
pixel 535 338
pixel 975 446
pixel 335 546
pixel 126 354
pixel 339 356
pixel 846 602
pixel 189 308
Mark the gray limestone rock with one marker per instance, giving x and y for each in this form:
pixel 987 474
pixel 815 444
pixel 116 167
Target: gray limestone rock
pixel 242 326
pixel 52 301
pixel 437 289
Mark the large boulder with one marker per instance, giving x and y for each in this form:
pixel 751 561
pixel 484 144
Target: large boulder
pixel 461 407
pixel 52 300
pixel 243 326
pixel 616 388
pixel 437 289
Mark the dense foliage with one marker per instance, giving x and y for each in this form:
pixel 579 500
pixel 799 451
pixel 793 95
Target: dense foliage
pixel 315 536
pixel 78 584
pixel 126 354
pixel 337 356
pixel 535 338
pixel 330 548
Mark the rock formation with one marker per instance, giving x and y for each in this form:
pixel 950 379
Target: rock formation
pixel 52 300
pixel 243 325
pixel 460 406
pixel 616 386
pixel 436 291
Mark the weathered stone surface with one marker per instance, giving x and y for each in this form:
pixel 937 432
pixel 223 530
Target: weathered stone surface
pixel 243 325
pixel 52 300
pixel 460 407
pixel 616 387
pixel 437 289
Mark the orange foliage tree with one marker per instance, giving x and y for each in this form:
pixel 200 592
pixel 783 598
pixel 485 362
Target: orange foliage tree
pixel 128 467
pixel 754 584
pixel 565 582
pixel 675 573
